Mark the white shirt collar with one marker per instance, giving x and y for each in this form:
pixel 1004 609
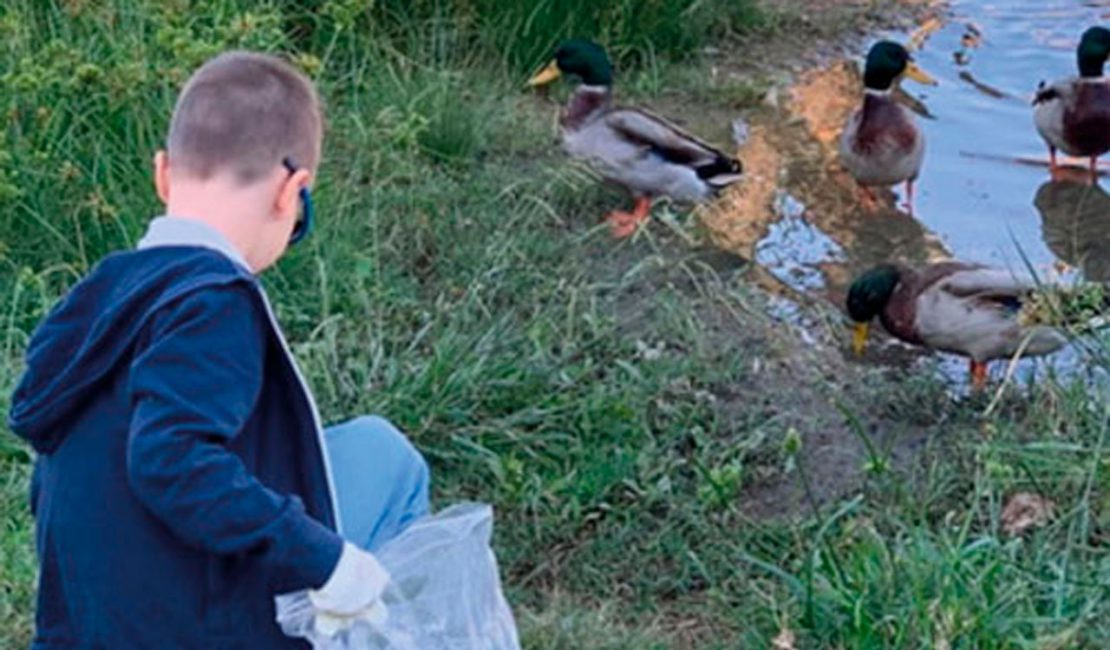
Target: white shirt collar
pixel 181 231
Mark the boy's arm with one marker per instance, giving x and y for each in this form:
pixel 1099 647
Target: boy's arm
pixel 192 389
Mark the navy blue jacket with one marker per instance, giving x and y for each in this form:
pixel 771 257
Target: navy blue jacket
pixel 180 481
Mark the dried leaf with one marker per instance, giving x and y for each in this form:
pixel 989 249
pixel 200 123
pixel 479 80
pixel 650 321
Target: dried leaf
pixel 784 641
pixel 1025 511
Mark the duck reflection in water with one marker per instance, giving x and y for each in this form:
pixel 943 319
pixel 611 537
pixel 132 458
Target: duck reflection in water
pixel 1075 218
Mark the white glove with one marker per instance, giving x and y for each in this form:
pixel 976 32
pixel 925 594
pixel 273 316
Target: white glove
pixel 352 593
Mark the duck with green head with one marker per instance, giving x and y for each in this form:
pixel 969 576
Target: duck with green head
pixel 881 144
pixel 956 307
pixel 645 154
pixel 1073 115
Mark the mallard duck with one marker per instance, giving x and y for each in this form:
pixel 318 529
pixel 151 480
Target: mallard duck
pixel 961 308
pixel 1073 115
pixel 643 153
pixel 881 144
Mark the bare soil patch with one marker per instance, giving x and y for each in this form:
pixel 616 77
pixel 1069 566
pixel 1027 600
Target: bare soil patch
pixel 802 377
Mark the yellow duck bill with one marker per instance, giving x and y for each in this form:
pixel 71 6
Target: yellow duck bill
pixel 859 338
pixel 919 75
pixel 546 76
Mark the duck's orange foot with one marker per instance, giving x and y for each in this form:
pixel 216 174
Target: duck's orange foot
pixel 979 375
pixel 624 224
pixel 1056 172
pixel 1072 174
pixel 868 199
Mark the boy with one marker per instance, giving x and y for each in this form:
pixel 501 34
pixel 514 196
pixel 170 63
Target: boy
pixel 182 478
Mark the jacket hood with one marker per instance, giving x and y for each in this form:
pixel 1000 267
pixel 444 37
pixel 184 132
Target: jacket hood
pixel 96 326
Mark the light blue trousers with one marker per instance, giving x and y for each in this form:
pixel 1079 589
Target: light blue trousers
pixel 381 480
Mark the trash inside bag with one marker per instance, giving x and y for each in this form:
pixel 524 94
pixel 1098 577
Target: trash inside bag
pixel 445 593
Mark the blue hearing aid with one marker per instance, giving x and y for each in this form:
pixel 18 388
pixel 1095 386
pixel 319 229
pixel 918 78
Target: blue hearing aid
pixel 303 228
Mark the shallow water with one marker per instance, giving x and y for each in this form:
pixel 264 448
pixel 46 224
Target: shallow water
pixel 985 194
pixel 979 191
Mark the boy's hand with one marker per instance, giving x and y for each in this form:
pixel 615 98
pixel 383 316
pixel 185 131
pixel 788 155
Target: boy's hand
pixel 352 593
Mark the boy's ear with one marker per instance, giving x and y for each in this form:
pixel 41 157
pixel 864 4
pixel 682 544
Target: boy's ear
pixel 162 176
pixel 289 195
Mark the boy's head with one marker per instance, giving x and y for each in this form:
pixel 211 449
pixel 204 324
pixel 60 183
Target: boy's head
pixel 239 117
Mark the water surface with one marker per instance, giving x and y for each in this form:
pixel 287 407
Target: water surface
pixel 985 194
pixel 981 192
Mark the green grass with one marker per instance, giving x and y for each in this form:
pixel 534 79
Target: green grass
pixel 618 404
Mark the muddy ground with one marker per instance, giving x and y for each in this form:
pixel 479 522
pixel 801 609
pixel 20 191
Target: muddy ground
pixel 802 379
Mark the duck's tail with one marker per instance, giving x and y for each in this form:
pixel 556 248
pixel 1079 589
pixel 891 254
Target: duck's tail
pixel 721 173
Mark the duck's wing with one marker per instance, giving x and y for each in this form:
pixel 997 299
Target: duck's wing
pixel 975 312
pixel 1051 91
pixel 670 142
pixel 1000 288
pixel 1049 108
pixel 1045 93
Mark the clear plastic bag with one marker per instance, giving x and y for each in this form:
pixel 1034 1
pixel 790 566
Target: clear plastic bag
pixel 445 592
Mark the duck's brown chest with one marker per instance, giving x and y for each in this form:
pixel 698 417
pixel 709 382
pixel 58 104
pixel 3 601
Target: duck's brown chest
pixel 901 313
pixel 899 318
pixel 584 106
pixel 1087 120
pixel 884 125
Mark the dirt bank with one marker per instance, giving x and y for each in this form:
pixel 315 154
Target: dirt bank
pixel 801 379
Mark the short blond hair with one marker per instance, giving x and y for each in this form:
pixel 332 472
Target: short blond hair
pixel 243 113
